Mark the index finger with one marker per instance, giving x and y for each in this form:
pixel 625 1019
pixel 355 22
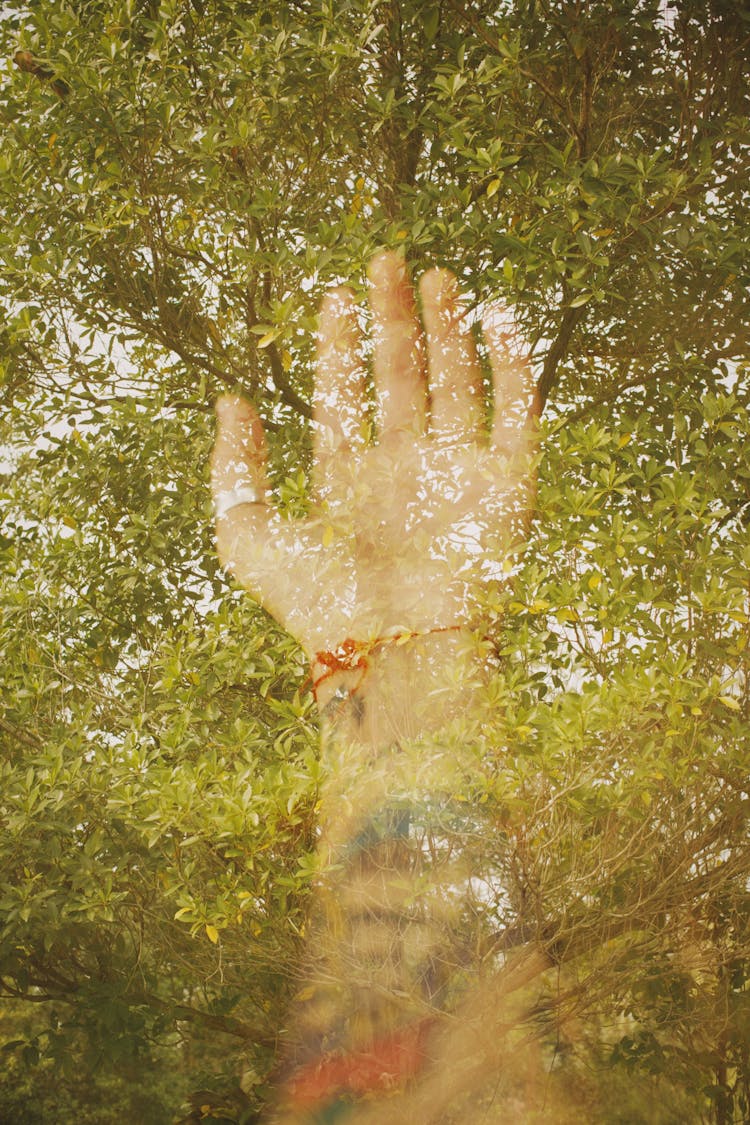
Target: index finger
pixel 512 381
pixel 399 371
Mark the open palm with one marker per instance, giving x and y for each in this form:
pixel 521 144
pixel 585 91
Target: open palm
pixel 403 530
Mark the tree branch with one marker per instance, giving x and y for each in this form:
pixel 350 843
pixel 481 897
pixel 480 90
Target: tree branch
pixel 284 386
pixel 557 351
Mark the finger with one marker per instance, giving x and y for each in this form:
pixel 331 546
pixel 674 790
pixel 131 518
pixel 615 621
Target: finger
pixel 339 402
pixel 239 454
pixel 455 374
pixel 512 381
pixel 514 430
pixel 398 366
pixel 238 463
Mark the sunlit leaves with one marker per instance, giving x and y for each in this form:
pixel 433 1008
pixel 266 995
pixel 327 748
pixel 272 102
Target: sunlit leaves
pixel 171 224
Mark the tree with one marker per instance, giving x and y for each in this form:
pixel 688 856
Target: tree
pixel 183 181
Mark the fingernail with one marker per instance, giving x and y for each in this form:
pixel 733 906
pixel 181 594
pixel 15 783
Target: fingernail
pixel 385 267
pixel 223 407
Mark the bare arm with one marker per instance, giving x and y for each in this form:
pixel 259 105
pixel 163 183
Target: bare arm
pixel 380 585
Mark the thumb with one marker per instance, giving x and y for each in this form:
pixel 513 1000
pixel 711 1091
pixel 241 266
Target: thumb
pixel 240 486
pixel 274 558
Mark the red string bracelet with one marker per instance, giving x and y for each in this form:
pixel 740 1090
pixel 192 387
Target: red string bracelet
pixel 352 656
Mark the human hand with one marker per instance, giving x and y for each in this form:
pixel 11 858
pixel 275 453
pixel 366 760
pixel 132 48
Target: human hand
pixel 403 529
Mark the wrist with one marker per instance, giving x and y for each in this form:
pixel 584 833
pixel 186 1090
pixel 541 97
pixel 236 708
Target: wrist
pixel 401 685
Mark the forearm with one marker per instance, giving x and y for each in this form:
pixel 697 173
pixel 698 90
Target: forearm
pixel 381 722
pixel 391 924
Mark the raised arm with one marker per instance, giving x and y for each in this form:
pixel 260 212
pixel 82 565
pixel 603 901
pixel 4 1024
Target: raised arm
pixel 414 510
pixel 406 525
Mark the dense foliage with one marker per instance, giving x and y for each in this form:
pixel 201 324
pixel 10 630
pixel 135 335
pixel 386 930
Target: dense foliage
pixel 179 183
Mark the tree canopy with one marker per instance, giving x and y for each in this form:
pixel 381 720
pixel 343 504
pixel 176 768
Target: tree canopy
pixel 180 182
